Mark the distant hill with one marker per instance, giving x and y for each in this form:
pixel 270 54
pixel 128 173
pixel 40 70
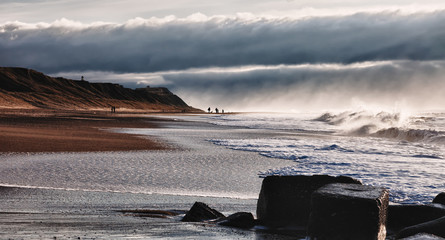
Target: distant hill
pixel 27 88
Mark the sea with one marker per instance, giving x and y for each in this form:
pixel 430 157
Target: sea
pixel 226 156
pixel 404 153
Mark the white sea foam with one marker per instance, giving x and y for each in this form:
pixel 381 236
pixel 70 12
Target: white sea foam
pixel 404 154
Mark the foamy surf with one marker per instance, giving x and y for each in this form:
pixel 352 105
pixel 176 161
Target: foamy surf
pixel 399 152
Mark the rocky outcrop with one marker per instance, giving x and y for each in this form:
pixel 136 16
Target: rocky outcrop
pixel 26 88
pixel 324 207
pixel 285 201
pixel 348 211
pixel 201 212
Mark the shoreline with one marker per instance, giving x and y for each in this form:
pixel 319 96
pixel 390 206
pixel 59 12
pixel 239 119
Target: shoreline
pixel 63 214
pixel 83 194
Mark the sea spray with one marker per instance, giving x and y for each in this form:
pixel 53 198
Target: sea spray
pixel 403 153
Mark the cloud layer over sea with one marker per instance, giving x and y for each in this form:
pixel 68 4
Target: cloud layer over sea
pixel 386 58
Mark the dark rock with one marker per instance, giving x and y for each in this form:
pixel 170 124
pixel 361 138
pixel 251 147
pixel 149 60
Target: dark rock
pixel 402 216
pixel 435 227
pixel 285 200
pixel 201 212
pixel 423 236
pixel 440 198
pixel 239 220
pixel 348 211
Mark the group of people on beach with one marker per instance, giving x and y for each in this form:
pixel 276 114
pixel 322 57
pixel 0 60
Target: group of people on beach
pixel 216 110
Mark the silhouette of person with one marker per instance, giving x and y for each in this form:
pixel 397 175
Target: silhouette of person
pixel 209 109
pixel 222 111
pixel 82 79
pixel 216 110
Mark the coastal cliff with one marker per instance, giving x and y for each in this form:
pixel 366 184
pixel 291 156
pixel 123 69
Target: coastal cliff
pixel 27 88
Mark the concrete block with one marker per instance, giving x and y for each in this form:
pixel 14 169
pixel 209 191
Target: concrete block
pixel 285 200
pixel 348 211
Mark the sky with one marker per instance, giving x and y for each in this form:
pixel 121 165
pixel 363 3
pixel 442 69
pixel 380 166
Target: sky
pixel 246 55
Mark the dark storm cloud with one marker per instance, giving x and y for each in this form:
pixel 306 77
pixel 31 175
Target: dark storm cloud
pixel 142 45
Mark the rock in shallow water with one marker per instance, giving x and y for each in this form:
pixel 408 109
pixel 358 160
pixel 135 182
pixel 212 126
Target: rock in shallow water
pixel 238 220
pixel 201 212
pixel 440 198
pixel 348 211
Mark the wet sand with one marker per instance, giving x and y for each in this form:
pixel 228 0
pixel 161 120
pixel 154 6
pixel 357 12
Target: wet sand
pixel 32 212
pixel 58 214
pixel 71 131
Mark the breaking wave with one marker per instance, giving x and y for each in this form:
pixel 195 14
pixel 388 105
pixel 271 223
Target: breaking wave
pixel 382 125
pixel 412 135
pixel 360 117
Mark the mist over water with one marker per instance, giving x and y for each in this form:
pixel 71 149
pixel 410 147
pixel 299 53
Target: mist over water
pixel 377 86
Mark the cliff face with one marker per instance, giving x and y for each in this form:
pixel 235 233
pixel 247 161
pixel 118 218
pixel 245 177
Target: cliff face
pixel 26 88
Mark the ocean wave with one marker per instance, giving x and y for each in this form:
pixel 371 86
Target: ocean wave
pixel 333 147
pixel 386 125
pixel 412 135
pixel 348 118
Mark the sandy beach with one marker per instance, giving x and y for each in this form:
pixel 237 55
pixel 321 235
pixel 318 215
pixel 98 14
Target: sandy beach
pixel 69 175
pixel 71 131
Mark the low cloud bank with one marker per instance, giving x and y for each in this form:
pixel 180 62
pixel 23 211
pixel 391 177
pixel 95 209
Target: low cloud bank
pixel 150 45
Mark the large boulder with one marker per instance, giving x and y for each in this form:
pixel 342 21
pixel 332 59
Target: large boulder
pixel 284 201
pixel 348 211
pixel 435 227
pixel 440 198
pixel 201 212
pixel 402 216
